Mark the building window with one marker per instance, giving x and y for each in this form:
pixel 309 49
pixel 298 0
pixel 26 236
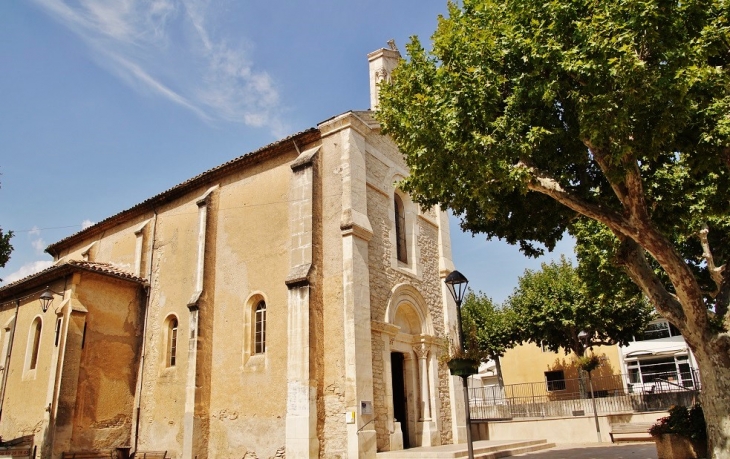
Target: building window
pixel 36 333
pixel 400 229
pixel 658 330
pixel 170 360
pixel 674 370
pixel 259 339
pixel 555 380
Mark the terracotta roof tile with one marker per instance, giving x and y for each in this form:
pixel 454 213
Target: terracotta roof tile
pixel 65 267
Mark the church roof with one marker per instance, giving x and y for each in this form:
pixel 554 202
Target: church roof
pixel 43 278
pixel 301 138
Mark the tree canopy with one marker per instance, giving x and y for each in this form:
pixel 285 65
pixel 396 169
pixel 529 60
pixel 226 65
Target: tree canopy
pixel 495 328
pixel 553 305
pixel 5 247
pixel 528 116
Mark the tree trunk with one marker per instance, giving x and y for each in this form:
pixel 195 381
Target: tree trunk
pixel 498 367
pixel 715 378
pixel 582 388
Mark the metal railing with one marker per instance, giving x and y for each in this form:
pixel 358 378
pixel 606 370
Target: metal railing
pixel 571 397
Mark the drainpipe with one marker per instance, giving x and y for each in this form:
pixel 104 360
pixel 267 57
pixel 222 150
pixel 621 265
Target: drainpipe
pixel 7 357
pixel 144 333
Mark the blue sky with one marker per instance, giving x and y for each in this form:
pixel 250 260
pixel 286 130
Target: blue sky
pixel 106 103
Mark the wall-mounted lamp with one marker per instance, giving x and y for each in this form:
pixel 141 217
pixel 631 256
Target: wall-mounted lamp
pixel 46 298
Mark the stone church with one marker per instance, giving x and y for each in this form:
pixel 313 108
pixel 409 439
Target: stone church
pixel 288 302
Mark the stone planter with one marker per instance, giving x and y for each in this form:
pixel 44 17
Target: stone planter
pixel 463 367
pixel 673 446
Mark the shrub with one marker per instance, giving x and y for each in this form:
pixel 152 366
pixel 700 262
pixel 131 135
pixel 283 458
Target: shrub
pixel 689 423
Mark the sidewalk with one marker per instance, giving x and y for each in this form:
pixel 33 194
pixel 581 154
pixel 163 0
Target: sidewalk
pixel 643 450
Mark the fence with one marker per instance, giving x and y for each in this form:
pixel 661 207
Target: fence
pixel 571 397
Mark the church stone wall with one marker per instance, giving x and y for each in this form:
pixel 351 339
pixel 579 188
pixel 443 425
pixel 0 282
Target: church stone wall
pixel 110 355
pixel 248 392
pixel 384 166
pixel 163 393
pixel 329 359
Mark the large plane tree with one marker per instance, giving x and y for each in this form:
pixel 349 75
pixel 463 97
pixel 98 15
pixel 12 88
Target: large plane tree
pixel 528 115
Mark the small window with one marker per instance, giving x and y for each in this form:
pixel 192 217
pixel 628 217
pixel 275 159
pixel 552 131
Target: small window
pixel 555 380
pixel 658 330
pixel 171 342
pixel 400 229
pixel 259 341
pixel 36 330
pixel 58 331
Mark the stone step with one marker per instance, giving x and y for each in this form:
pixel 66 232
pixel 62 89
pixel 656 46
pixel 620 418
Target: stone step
pixel 518 451
pixel 493 449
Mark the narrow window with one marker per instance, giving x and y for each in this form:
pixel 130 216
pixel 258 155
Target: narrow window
pixel 555 380
pixel 58 331
pixel 171 341
pixel 259 341
pixel 400 229
pixel 36 343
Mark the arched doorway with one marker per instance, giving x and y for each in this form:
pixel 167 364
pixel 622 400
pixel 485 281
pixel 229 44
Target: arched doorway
pixel 411 370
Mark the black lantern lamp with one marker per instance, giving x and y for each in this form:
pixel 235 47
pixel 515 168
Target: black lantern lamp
pixel 583 337
pixel 46 298
pixel 456 283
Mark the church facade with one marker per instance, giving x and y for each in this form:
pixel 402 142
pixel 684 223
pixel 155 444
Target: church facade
pixel 290 301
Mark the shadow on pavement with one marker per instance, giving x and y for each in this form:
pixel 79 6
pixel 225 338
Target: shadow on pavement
pixel 597 451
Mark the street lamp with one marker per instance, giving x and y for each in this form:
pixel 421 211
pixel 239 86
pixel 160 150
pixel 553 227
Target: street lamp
pixel 456 283
pixel 584 338
pixel 46 298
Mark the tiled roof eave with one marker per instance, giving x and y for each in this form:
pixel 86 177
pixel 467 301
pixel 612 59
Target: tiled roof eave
pixel 48 275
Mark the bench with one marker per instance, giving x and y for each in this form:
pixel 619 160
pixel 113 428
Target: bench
pixel 149 455
pixel 632 428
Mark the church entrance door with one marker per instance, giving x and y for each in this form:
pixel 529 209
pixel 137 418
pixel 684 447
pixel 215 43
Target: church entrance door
pixel 400 403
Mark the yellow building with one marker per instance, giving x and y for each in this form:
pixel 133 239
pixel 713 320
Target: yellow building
pixel 529 363
pixel 287 300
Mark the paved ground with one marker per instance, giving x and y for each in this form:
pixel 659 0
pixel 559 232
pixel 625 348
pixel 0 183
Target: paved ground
pixel 597 451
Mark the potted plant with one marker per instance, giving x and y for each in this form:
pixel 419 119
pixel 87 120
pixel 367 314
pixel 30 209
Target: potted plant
pixel 463 362
pixel 682 434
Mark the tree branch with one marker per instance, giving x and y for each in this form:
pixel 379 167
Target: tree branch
pixel 636 225
pixel 715 271
pixel 630 190
pixel 631 257
pixel 723 295
pixel 600 159
pixel 545 184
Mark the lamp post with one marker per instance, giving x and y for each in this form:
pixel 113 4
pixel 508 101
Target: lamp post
pixel 456 283
pixel 583 337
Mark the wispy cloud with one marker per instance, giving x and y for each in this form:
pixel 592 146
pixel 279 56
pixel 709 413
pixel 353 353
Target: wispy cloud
pixel 39 245
pixel 167 48
pixel 86 223
pixel 26 270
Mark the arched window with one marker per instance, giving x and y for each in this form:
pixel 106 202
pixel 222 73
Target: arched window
pixel 259 339
pixel 171 342
pixel 36 333
pixel 400 229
